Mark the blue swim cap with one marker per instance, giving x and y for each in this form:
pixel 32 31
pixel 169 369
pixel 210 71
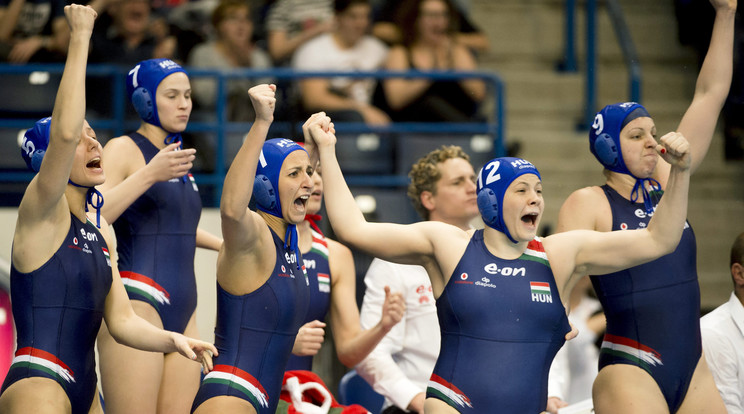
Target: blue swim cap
pixel 35 143
pixel 33 148
pixel 142 83
pixel 604 137
pixel 493 180
pixel 266 185
pixel 270 162
pixel 604 143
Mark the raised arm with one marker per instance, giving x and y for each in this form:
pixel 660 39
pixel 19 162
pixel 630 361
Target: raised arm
pixel 239 228
pixel 713 83
pixel 599 253
pixel 411 244
pixel 68 116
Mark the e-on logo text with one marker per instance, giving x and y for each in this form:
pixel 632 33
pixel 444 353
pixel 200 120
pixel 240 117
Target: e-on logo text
pixel 493 269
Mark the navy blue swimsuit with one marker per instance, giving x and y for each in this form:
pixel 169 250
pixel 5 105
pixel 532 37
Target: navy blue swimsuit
pixel 58 310
pixel 652 310
pixel 156 242
pixel 502 322
pixel 319 276
pixel 255 334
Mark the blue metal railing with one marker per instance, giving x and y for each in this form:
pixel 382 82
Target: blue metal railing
pixel 494 126
pixel 625 42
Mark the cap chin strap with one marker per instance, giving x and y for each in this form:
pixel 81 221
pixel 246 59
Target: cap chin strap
pixel 89 200
pixel 291 242
pixel 640 187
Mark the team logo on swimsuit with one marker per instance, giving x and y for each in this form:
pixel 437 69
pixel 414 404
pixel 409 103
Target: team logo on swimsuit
pixel 623 226
pixel 644 356
pixel 541 292
pixel 324 282
pixel 106 255
pixel 37 359
pixel 447 392
pixel 240 381
pixel 464 279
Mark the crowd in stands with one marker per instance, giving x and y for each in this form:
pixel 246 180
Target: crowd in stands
pixel 353 35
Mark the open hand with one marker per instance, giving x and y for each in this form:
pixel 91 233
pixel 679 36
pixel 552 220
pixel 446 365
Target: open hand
pixel 170 163
pixel 196 350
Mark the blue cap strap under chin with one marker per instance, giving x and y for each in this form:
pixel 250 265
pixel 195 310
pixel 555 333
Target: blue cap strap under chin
pixel 291 242
pixel 97 204
pixel 640 187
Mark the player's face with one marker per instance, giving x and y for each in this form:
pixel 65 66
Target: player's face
pixel 455 200
pixel 174 102
pixel 87 167
pixel 638 143
pixel 316 197
pixel 295 186
pixel 523 207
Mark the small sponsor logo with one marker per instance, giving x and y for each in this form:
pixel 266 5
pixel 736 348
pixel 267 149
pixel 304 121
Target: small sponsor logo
pixel 485 282
pixel 464 279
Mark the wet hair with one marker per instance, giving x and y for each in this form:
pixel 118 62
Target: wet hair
pixel 425 174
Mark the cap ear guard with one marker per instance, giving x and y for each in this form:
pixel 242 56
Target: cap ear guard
pixel 263 192
pixel 605 149
pixel 142 102
pixel 488 204
pixel 35 143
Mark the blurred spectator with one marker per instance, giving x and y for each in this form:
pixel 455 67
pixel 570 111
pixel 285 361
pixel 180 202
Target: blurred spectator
pixel 723 336
pixel 231 49
pixel 429 44
pixel 387 29
pixel 347 48
pixel 33 31
pixel 132 35
pixel 290 23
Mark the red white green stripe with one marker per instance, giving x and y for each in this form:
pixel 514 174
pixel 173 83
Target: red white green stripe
pixel 535 252
pixel 447 392
pixel 627 348
pixel 239 380
pixel 144 286
pixel 542 288
pixel 106 252
pixel 44 361
pixel 324 282
pixel 319 246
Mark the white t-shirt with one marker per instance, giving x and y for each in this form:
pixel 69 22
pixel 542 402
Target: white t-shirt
pixel 723 343
pixel 401 364
pixel 323 54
